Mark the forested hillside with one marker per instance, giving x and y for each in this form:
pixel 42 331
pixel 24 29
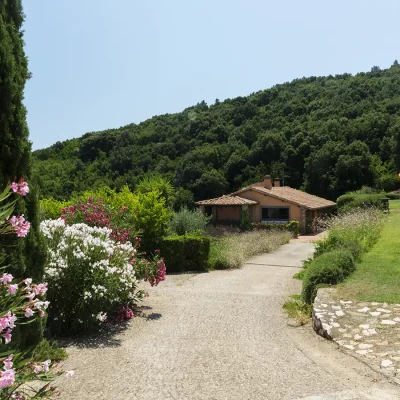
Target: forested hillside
pixel 327 135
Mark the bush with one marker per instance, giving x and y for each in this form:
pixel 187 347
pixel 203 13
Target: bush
pixel 328 269
pixel 186 253
pixel 393 196
pixel 232 251
pixel 356 231
pixel 151 217
pixel 127 214
pixel 91 275
pixel 349 201
pixel 52 209
pixel 245 224
pixel 292 227
pixel 187 221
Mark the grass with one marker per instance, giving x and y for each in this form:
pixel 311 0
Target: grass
pixel 297 309
pixel 377 275
pixel 232 251
pixel 49 351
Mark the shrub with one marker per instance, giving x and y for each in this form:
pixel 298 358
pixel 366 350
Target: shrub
pixel 349 201
pixel 91 275
pixel 21 303
pixel 151 218
pixel 245 224
pixel 292 226
pixel 356 231
pixel 328 269
pixel 232 251
pixel 393 196
pixel 187 221
pixel 52 209
pixel 186 253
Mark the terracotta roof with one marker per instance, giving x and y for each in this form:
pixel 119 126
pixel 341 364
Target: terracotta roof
pixel 228 200
pixel 292 196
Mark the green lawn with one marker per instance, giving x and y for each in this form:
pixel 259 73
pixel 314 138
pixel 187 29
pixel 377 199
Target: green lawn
pixel 377 277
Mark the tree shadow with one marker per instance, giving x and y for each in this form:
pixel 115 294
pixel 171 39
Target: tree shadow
pixel 104 337
pixel 141 312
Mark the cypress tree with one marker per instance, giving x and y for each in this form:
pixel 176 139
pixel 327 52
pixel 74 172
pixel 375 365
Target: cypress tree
pixel 23 257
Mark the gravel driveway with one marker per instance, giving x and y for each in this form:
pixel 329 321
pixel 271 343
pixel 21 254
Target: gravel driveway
pixel 221 335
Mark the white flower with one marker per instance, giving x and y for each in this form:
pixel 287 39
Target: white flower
pixel 101 316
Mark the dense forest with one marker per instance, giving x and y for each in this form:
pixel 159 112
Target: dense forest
pixel 326 135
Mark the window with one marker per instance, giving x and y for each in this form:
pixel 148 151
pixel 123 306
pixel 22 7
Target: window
pixel 275 214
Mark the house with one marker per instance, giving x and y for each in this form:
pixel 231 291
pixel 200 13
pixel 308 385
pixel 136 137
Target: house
pixel 267 203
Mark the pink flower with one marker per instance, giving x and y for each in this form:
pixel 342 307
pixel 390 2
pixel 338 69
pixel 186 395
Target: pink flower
pixel 69 374
pixel 40 289
pixel 8 321
pixel 21 187
pixel 20 225
pixel 7 378
pixel 28 312
pixel 38 368
pixel 7 336
pixel 14 187
pixel 28 281
pixel 6 278
pixel 11 320
pixel 7 362
pixel 31 296
pixel 42 313
pixel 12 289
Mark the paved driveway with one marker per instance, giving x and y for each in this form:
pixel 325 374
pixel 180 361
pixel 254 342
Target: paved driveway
pixel 222 335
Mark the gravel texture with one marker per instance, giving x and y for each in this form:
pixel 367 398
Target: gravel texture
pixel 220 335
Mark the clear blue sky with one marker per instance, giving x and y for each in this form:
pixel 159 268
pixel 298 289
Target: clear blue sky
pixel 100 64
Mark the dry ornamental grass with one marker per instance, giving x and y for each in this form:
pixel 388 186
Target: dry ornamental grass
pixel 232 251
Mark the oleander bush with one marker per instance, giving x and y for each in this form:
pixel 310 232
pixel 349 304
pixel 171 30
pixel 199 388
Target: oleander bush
pixel 91 275
pixel 22 302
pixel 188 252
pixel 328 269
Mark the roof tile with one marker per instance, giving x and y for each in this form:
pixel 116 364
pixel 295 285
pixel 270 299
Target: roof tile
pixel 292 195
pixel 228 200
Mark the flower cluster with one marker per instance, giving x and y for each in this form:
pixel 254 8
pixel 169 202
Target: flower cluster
pixel 159 275
pixel 20 225
pixel 91 275
pixel 20 302
pixel 21 187
pixel 31 302
pixel 93 212
pixel 7 377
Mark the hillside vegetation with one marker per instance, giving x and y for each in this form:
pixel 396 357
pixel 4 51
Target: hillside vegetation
pixel 327 135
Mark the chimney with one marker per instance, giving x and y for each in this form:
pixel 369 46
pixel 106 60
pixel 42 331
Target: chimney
pixel 277 182
pixel 267 182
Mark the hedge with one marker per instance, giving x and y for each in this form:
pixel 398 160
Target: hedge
pixel 352 200
pixel 185 253
pixel 393 196
pixel 329 268
pixel 292 227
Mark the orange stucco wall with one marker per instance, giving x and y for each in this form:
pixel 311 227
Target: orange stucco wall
pixel 267 201
pixel 228 213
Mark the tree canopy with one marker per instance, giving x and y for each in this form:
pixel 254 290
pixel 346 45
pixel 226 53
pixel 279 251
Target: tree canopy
pixel 327 135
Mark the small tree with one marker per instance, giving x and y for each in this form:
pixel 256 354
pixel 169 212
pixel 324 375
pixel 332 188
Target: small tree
pixel 245 224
